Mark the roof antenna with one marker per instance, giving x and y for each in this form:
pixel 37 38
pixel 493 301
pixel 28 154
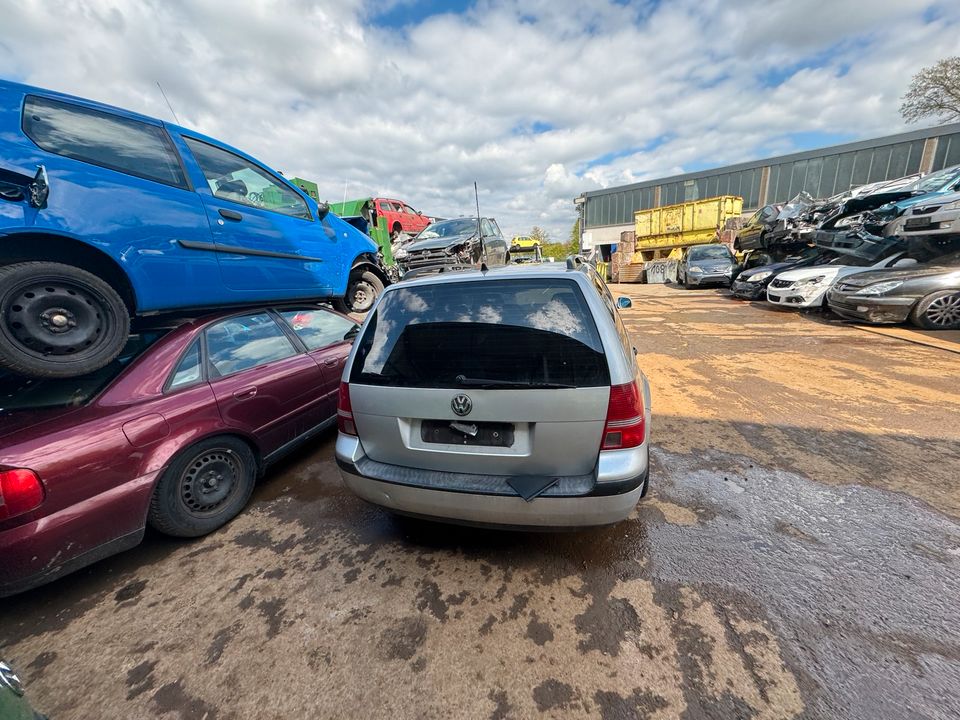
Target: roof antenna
pixel 168 102
pixel 483 245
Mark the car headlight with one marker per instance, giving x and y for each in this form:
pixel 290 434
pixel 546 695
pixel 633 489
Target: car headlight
pixel 812 281
pixel 760 276
pixel 400 254
pixel 847 221
pixel 696 269
pixel 880 288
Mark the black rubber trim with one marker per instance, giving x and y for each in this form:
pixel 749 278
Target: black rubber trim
pixel 599 489
pixel 238 250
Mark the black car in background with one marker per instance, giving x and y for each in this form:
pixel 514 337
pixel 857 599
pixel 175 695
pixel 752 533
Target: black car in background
pixel 753 233
pixel 751 284
pixel 928 295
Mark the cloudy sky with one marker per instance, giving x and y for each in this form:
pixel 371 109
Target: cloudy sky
pixel 537 100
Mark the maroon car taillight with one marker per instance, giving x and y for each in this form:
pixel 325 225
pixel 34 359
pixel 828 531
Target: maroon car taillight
pixel 625 427
pixel 20 491
pixel 345 411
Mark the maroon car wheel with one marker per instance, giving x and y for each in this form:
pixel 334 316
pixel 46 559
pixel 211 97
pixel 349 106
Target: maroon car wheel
pixel 205 487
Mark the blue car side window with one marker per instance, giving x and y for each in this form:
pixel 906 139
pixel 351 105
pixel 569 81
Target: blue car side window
pixel 100 138
pixel 234 178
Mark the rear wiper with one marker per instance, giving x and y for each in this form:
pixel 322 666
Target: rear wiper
pixel 490 383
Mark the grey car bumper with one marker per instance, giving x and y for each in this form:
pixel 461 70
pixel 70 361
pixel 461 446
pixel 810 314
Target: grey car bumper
pixel 877 310
pixel 605 497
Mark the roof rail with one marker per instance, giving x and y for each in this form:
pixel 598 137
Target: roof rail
pixel 574 262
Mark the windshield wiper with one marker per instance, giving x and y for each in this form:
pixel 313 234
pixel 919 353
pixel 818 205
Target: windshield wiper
pixel 490 383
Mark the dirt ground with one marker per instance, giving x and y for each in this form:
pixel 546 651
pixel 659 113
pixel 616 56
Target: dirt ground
pixel 798 556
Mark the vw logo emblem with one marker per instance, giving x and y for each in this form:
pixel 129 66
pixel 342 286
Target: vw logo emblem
pixel 461 404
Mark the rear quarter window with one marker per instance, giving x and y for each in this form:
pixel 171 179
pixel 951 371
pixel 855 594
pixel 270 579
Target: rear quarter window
pixel 525 333
pixel 101 138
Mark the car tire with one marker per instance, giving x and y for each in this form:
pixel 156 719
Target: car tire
pixel 58 321
pixel 204 488
pixel 686 282
pixel 363 289
pixel 937 311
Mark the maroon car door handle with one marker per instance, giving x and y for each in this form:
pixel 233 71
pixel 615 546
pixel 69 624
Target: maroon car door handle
pixel 245 393
pixel 331 362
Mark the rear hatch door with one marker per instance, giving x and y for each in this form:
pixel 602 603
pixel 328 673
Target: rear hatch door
pixel 504 377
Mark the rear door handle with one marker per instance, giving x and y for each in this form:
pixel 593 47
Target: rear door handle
pixel 245 393
pixel 331 362
pixel 230 214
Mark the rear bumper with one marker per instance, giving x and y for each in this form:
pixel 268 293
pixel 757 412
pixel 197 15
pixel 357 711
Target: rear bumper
pixel 54 545
pixel 941 222
pixel 878 310
pixel 607 496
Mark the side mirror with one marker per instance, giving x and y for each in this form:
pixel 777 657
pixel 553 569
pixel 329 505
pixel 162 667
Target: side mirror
pixel 323 209
pixel 352 333
pixel 624 302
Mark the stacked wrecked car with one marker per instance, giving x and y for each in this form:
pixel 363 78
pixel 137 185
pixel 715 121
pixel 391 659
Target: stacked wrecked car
pixel 884 253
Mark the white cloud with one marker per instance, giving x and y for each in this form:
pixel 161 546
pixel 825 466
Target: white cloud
pixel 317 89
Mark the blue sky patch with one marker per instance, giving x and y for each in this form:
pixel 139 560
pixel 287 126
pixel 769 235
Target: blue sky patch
pixel 404 14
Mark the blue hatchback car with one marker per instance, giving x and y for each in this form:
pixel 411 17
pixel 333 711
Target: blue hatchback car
pixel 106 215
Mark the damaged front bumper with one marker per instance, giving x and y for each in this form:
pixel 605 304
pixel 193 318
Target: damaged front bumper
pixel 749 290
pixel 858 242
pixel 874 310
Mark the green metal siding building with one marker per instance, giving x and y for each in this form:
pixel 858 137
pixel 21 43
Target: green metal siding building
pixel 604 214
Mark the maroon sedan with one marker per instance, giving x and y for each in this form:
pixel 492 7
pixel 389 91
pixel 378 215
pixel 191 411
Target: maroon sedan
pixel 173 433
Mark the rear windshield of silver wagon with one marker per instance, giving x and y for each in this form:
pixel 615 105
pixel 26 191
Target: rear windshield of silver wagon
pixel 529 333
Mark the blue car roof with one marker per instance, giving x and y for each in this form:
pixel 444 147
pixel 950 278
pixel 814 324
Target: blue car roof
pixel 21 88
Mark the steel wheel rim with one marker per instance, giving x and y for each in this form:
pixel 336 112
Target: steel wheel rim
pixel 55 318
pixel 210 481
pixel 362 296
pixel 944 311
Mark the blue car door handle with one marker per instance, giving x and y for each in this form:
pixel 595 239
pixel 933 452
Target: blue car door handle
pixel 231 215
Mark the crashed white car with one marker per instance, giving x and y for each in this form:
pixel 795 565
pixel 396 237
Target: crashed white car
pixel 807 287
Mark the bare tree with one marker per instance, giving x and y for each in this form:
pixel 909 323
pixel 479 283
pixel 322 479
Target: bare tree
pixel 538 233
pixel 934 93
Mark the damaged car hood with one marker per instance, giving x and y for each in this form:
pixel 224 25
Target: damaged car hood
pixel 863 279
pixel 438 243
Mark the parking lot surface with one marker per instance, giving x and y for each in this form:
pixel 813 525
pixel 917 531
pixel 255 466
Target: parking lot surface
pixel 798 556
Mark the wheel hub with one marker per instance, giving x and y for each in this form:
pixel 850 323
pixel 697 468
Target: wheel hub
pixel 944 311
pixel 58 320
pixel 54 317
pixel 209 482
pixel 362 296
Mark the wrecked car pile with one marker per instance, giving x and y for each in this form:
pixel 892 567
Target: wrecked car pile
pixel 839 252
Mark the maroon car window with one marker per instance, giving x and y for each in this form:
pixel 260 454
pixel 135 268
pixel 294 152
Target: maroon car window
pixel 20 393
pixel 188 371
pixel 246 341
pixel 319 328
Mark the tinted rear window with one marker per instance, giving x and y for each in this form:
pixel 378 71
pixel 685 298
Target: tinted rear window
pixel 20 393
pixel 104 139
pixel 531 331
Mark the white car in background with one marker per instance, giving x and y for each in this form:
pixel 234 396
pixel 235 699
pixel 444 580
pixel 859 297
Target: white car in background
pixel 807 287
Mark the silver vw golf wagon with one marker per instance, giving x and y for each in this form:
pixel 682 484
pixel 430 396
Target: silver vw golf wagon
pixel 508 397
